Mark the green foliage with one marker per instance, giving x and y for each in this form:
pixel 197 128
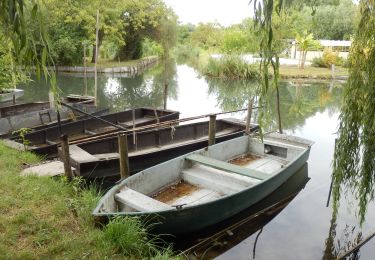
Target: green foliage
pixel 5 66
pixel 207 36
pixel 354 164
pixel 335 22
pixel 151 48
pixel 128 236
pixel 305 42
pixel 20 133
pixel 144 19
pixel 271 46
pixel 230 67
pixel 328 58
pixel 318 62
pixel 234 42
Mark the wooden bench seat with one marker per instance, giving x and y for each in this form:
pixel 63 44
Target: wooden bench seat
pixel 78 155
pixel 139 201
pixel 221 165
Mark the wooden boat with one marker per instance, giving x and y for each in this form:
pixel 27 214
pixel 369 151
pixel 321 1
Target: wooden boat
pixel 243 225
pixel 204 187
pixel 22 108
pixel 45 141
pixel 34 114
pixel 10 95
pixel 100 158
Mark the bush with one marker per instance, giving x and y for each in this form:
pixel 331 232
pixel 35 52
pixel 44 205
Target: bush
pixel 231 67
pixel 151 48
pixel 318 62
pixel 328 58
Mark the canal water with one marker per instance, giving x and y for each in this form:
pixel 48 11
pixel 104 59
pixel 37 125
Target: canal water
pixel 301 226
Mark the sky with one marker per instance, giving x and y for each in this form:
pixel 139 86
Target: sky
pixel 225 12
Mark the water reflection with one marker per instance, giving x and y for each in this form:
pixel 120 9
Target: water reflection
pixel 299 100
pixel 309 110
pixel 338 244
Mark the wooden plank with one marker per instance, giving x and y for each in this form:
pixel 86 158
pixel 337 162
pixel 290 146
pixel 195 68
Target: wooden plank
pixel 139 201
pixel 271 166
pixel 79 155
pixel 200 178
pixel 226 166
pixel 137 121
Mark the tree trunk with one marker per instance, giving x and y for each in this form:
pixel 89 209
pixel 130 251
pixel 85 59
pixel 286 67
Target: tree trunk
pixel 100 36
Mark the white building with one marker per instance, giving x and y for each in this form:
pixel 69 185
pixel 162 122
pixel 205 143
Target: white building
pixel 340 47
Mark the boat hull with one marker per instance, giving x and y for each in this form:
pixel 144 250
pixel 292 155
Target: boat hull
pixel 194 218
pixel 146 157
pixel 13 94
pixel 45 141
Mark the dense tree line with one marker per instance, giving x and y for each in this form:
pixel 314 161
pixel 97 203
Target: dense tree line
pixel 124 27
pixel 332 20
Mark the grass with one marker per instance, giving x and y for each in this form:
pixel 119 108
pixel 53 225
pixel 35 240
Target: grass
pixel 230 67
pixel 45 218
pixel 108 63
pixel 311 72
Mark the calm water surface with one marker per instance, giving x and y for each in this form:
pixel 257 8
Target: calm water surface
pixel 305 228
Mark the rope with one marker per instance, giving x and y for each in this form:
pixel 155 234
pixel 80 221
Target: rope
pixel 172 132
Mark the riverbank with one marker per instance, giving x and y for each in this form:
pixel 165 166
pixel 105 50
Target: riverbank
pixel 293 72
pixel 109 66
pixel 43 217
pixel 206 62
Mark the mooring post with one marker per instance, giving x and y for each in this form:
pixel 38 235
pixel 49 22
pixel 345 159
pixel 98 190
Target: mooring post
pixel 124 158
pixel 212 130
pixel 65 156
pixel 248 118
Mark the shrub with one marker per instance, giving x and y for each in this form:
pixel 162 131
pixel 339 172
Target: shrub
pixel 318 62
pixel 328 58
pixel 231 67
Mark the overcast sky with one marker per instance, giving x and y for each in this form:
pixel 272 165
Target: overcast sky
pixel 225 12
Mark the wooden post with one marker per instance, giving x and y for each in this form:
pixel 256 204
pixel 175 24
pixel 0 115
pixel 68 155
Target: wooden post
pixel 248 118
pixel 124 159
pixel 96 56
pixel 65 156
pixel 85 67
pixel 212 130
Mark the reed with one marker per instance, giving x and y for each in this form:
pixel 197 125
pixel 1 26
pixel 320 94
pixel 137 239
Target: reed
pixel 230 67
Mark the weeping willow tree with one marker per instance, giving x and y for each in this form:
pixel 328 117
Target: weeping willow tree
pixel 269 52
pixel 22 27
pixel 354 158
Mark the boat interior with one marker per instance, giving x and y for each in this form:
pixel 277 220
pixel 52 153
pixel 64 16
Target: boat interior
pixel 152 141
pixel 198 178
pixel 91 127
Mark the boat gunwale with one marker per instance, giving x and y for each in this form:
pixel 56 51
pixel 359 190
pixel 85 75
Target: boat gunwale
pixel 96 212
pixel 67 124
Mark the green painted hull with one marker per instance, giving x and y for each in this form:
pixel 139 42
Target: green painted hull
pixel 194 218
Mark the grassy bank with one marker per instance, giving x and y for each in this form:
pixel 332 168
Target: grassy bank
pixel 311 72
pixel 44 218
